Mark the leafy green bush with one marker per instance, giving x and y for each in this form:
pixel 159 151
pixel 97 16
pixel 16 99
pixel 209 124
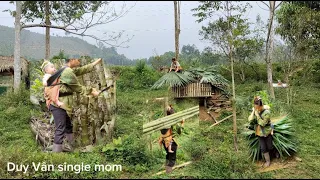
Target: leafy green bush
pixel 255 72
pixel 134 78
pixel 315 71
pixel 131 151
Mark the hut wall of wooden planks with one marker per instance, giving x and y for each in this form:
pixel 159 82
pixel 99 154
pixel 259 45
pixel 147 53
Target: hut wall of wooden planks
pixel 211 98
pixel 192 90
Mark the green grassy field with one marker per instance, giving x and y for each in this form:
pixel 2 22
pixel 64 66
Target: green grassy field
pixel 211 150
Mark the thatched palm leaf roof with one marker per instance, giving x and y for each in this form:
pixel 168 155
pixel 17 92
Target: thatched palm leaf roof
pixel 208 75
pixel 173 79
pixel 7 63
pixel 202 75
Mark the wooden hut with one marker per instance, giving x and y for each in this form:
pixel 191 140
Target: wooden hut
pixel 212 98
pixel 7 71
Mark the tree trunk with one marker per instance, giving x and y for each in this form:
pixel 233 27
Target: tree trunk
pixel 269 48
pixel 17 55
pixel 48 23
pixel 234 112
pixel 242 74
pixel 177 27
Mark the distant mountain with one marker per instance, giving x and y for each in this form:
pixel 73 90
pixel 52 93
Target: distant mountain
pixel 33 47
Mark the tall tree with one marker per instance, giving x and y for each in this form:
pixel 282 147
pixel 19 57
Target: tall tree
pixel 177 5
pixel 249 46
pixel 189 50
pixel 17 55
pixel 225 33
pixel 298 25
pixel 74 17
pixel 269 44
pixel 48 23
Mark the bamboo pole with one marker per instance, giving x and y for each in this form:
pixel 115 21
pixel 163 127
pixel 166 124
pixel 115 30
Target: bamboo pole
pixel 163 124
pixel 171 116
pixel 84 102
pixel 75 119
pixel 93 128
pixel 178 114
pixel 170 120
pixel 84 121
pixel 102 113
pixel 111 106
pixel 95 117
pixel 169 124
pixel 175 167
pixel 220 121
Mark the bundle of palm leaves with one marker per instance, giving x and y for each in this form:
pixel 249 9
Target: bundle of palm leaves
pixel 202 75
pixel 283 139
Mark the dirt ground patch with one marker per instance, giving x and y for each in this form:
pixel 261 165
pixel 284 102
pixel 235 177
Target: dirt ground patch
pixel 277 164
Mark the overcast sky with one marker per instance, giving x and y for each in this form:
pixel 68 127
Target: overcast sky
pixel 151 23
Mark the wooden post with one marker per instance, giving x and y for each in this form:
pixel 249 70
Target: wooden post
pixel 165 104
pixel 150 138
pixel 175 167
pixel 177 26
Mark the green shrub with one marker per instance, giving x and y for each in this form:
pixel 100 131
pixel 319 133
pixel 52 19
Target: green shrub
pixel 131 151
pixel 136 78
pixel 315 71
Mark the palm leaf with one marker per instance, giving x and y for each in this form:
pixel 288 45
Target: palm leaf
pixel 207 75
pixel 172 79
pixel 283 139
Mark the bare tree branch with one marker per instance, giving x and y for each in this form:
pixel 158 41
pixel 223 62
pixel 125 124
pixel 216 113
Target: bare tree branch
pixel 95 19
pixel 278 5
pixel 261 7
pixel 265 4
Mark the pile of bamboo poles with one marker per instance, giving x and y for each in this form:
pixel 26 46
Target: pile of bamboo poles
pixel 166 122
pixel 94 118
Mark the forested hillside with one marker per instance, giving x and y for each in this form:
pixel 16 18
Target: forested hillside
pixel 33 47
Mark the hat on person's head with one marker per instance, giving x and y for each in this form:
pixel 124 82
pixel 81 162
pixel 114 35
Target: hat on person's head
pixel 257 101
pixel 164 131
pixel 45 64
